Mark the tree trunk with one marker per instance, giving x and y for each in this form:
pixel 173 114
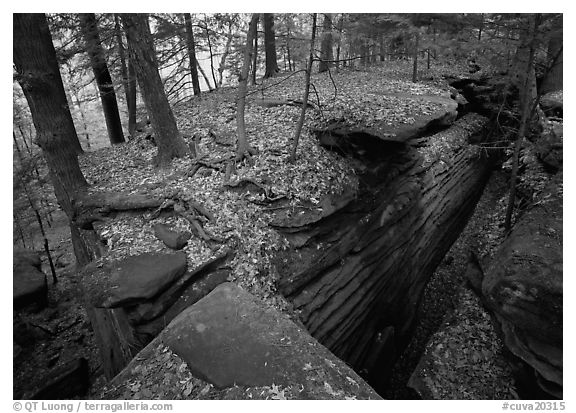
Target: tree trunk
pixel 222 65
pixel 191 45
pixel 91 35
pixel 208 85
pixel 326 55
pixel 255 51
pixel 270 46
pixel 128 78
pixel 41 66
pixel 140 43
pixel 526 100
pixel 357 280
pixel 554 79
pixel 415 57
pixel 339 44
pixel 306 93
pixel 242 148
pixel 290 65
pixel 210 51
pixel 39 76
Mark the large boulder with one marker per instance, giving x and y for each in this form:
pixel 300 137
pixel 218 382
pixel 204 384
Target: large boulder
pixel 523 288
pixel 235 343
pixel 130 301
pixel 29 282
pixel 135 279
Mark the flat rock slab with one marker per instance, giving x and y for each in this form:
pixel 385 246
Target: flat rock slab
pixel 144 276
pixel 234 342
pixel 427 110
pixel 29 282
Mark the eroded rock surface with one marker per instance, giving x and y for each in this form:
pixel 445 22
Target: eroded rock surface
pixel 523 286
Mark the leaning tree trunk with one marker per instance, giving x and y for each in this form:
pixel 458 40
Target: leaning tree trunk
pixel 39 76
pixel 191 45
pixel 360 271
pixel 168 138
pixel 270 46
pixel 42 65
pixel 89 29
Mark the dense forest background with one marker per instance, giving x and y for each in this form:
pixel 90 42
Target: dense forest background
pixel 136 133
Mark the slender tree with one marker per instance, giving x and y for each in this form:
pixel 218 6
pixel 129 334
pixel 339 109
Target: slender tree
pixel 140 44
pixel 326 55
pixel 554 80
pixel 128 77
pixel 39 76
pixel 243 149
pixel 300 123
pixel 526 100
pixel 270 46
pixel 415 56
pixel 210 51
pixel 255 51
pixel 226 52
pixel 191 45
pixel 89 28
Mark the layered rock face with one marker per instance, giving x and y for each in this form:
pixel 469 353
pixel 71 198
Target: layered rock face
pixel 129 302
pixel 358 269
pixel 523 287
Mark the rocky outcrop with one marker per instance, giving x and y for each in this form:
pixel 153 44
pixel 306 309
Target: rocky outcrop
pixel 356 275
pixel 233 341
pixel 130 301
pixel 29 282
pixel 523 288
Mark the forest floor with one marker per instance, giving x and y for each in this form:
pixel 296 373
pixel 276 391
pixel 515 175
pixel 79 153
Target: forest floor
pixel 62 332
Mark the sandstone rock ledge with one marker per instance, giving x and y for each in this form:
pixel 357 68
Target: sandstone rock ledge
pixel 230 346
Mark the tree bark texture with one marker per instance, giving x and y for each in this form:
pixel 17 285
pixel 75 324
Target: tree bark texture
pixel 39 76
pixel 128 78
pixel 270 46
pixel 360 269
pixel 191 45
pixel 168 138
pixel 326 55
pixel 89 28
pixel 37 67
